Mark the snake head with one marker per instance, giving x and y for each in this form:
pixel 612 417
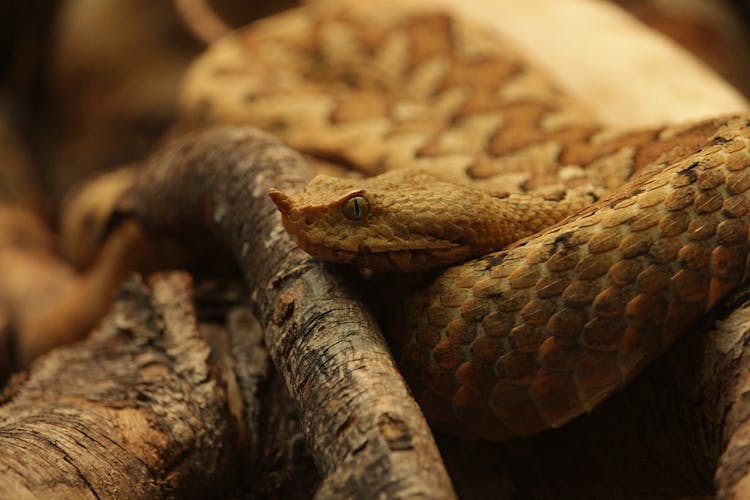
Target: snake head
pixel 396 222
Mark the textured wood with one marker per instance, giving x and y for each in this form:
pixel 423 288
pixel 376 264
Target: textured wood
pixel 365 432
pixel 136 411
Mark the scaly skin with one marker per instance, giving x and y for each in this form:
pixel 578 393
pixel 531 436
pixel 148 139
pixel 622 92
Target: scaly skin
pixel 527 337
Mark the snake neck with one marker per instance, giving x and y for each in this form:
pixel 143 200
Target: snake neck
pixel 518 216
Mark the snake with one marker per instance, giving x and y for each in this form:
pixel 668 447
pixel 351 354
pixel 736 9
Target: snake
pixel 558 257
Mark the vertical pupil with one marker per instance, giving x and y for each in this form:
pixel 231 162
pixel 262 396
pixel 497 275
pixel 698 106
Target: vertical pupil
pixel 356 207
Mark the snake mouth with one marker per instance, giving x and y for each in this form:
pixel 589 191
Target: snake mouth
pixel 383 259
pixel 389 261
pixel 393 261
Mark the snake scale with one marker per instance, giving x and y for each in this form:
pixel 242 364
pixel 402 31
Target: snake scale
pixel 567 293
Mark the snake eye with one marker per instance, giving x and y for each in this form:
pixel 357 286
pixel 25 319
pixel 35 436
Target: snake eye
pixel 356 208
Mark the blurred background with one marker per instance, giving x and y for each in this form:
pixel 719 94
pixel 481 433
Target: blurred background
pixel 87 85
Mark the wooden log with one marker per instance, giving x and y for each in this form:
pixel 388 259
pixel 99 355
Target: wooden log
pixel 364 430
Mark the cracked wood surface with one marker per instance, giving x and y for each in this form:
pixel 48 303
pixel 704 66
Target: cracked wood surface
pixel 133 412
pixel 365 432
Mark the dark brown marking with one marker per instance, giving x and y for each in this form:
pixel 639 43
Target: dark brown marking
pixel 494 259
pixel 561 241
pixel 499 195
pixel 688 172
pixel 719 140
pixel 556 196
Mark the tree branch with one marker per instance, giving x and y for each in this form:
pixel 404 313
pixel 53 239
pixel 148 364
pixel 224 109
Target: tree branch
pixel 366 433
pixel 136 411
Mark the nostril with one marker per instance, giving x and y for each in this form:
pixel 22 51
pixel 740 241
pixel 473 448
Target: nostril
pixel 310 218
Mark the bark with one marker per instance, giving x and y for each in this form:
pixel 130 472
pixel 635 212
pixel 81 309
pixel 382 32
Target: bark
pixel 154 404
pixel 273 460
pixel 134 412
pixel 365 432
pixel 725 369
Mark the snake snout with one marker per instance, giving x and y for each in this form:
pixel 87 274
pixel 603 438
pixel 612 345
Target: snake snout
pixel 282 201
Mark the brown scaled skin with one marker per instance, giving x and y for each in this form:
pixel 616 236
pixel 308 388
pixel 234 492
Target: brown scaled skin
pixel 525 339
pixel 377 224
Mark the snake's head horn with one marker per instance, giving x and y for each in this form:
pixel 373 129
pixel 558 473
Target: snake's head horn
pixel 282 201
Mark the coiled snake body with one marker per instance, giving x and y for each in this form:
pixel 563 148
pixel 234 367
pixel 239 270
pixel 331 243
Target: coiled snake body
pixel 583 289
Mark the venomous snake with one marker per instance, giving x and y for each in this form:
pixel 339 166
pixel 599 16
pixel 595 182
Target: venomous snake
pixel 568 292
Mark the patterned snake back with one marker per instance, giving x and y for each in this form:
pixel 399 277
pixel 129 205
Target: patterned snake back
pixel 542 329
